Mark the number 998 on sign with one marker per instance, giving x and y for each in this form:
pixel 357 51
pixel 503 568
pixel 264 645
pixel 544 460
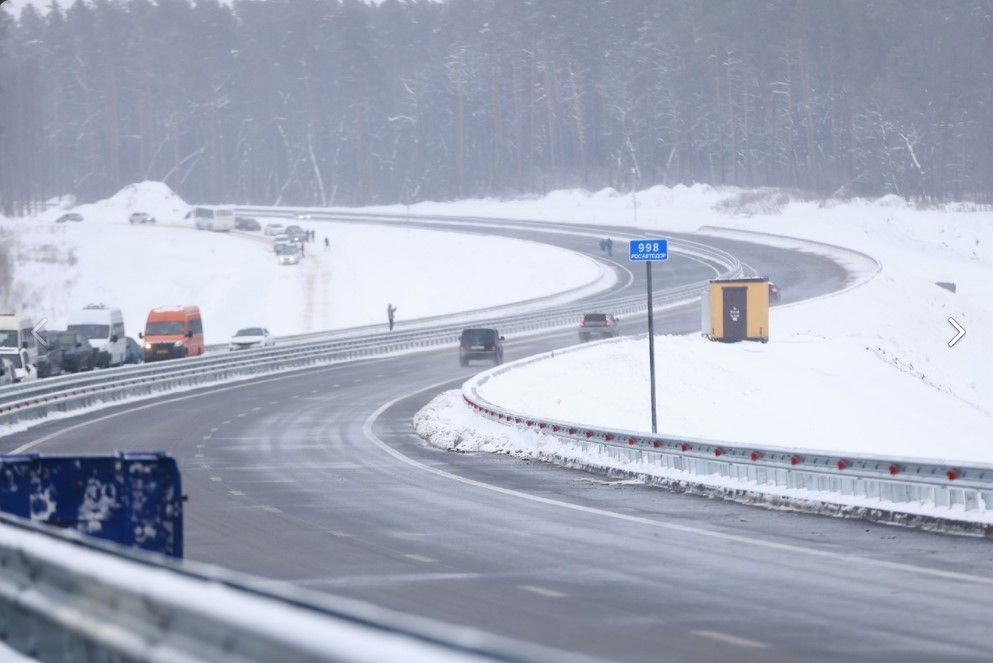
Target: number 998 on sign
pixel 649 247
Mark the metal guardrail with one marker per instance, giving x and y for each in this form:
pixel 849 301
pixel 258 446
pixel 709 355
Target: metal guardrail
pixel 40 398
pixel 902 490
pixel 67 598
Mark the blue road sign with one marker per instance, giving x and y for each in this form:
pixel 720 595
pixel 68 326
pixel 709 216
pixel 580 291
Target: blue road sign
pixel 643 250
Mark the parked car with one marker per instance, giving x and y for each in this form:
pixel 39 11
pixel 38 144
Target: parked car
pixel 22 369
pixel 6 372
pixel 480 344
pixel 598 325
pixel 133 353
pixel 77 353
pixel 71 216
pixel 141 217
pixel 49 360
pixel 288 254
pixel 251 337
pixel 246 223
pixel 273 229
pixel 303 216
pixel 773 292
pixel 296 234
pixel 279 240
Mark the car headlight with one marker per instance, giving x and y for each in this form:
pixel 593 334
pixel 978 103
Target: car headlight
pixel 148 346
pixel 177 344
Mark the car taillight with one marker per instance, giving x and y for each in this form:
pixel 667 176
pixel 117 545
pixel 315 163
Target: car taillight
pixel 461 346
pixel 606 321
pixel 493 347
pixel 582 320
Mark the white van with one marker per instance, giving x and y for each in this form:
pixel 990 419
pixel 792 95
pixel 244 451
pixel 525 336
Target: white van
pixel 16 334
pixel 218 219
pixel 104 327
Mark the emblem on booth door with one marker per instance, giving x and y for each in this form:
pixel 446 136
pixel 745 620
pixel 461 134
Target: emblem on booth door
pixel 735 313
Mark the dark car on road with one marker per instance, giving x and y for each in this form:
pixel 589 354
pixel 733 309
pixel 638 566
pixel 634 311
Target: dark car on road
pixel 480 344
pixel 598 325
pixel 77 353
pixel 246 223
pixel 49 360
pixel 71 216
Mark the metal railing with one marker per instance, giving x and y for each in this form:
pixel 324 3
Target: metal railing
pixel 931 494
pixel 65 597
pixel 38 399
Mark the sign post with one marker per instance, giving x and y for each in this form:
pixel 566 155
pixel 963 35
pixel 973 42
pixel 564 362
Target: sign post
pixel 649 251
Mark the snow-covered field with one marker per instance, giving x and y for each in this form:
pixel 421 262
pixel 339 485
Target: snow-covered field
pixel 236 282
pixel 868 370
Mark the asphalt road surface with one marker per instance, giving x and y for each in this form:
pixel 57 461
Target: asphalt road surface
pixel 315 478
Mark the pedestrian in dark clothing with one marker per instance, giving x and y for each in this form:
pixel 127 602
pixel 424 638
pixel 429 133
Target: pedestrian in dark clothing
pixel 390 310
pixel 603 245
pixel 303 253
pixel 327 243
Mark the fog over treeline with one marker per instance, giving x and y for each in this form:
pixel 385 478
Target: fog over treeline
pixel 321 102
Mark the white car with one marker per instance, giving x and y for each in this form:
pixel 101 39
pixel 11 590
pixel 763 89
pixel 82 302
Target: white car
pixel 273 229
pixel 251 337
pixel 20 368
pixel 278 241
pixel 288 254
pixel 141 217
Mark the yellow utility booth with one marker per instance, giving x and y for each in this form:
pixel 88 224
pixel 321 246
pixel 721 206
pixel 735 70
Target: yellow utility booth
pixel 737 310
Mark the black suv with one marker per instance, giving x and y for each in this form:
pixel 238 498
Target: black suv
pixel 598 325
pixel 480 344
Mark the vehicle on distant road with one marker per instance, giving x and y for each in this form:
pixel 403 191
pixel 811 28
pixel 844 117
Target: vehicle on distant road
pixel 49 360
pixel 216 219
pixel 296 234
pixel 171 332
pixel 17 333
pixel 104 327
pixel 273 229
pixel 598 325
pixel 71 216
pixel 77 353
pixel 288 254
pixel 773 292
pixel 480 343
pixel 19 360
pixel 278 241
pixel 141 218
pixel 246 223
pixel 251 337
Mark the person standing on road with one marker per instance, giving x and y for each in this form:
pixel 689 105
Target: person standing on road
pixel 327 243
pixel 390 310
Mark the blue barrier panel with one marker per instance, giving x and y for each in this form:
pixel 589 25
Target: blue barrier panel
pixel 131 498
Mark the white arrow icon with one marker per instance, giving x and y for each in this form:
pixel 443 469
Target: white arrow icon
pixel 961 332
pixel 38 337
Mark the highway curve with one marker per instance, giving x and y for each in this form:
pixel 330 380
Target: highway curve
pixel 314 478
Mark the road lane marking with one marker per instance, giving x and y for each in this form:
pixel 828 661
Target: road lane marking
pixel 659 522
pixel 543 591
pixel 237 493
pixel 419 558
pixel 216 479
pixel 731 639
pixel 270 509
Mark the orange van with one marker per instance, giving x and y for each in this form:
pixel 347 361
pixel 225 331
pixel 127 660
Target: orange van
pixel 173 331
